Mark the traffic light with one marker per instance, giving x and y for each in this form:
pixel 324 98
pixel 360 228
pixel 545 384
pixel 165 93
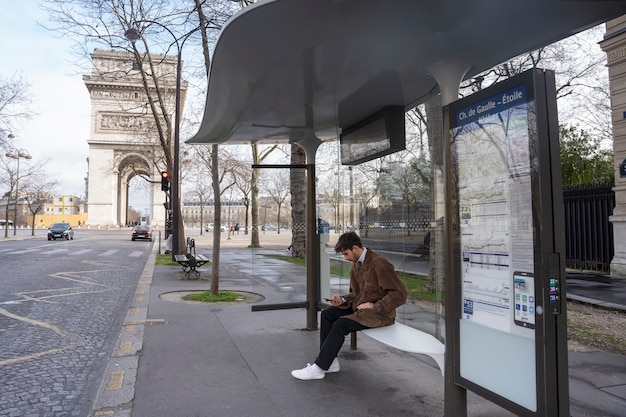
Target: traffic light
pixel 165 181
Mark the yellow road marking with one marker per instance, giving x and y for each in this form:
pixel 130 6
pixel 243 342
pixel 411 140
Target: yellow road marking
pixel 29 357
pixel 43 324
pixel 125 346
pixel 48 326
pixel 116 381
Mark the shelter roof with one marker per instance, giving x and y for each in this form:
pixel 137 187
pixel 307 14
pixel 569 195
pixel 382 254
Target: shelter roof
pixel 285 67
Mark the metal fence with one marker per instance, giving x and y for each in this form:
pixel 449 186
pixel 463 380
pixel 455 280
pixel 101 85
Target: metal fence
pixel 588 232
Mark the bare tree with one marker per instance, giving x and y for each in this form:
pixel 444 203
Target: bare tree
pixel 298 186
pixel 242 173
pixel 278 188
pixel 581 77
pixel 162 25
pixel 134 216
pixel 259 154
pixel 15 106
pixel 38 190
pixel 221 166
pixel 11 177
pixel 200 191
pixel 106 27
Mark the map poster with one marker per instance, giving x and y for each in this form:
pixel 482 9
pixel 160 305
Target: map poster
pixel 503 180
pixel 491 154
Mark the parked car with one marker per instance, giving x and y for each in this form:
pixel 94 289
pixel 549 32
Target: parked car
pixel 60 230
pixel 142 232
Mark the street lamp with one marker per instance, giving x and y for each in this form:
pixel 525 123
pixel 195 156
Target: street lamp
pixel 17 154
pixel 133 34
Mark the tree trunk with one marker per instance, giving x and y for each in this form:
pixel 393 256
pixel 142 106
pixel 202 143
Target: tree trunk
pixel 434 128
pixel 298 186
pixel 182 244
pixel 217 226
pixel 254 197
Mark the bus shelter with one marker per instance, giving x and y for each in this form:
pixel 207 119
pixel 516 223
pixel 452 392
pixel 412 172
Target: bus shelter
pixel 303 71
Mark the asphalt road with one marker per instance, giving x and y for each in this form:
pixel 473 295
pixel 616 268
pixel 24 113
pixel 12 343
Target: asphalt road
pixel 61 307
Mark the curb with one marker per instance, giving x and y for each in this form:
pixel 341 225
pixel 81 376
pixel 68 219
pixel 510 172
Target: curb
pixel 117 387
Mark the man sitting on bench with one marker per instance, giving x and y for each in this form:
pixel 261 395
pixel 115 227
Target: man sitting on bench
pixel 375 293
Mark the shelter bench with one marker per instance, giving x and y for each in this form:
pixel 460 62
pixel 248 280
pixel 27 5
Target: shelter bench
pixel 191 260
pixel 408 339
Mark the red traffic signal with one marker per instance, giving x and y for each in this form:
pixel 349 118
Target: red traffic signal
pixel 165 181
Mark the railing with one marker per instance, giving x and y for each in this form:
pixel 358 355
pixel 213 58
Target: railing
pixel 588 232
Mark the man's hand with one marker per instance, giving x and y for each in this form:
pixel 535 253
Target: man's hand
pixel 335 300
pixel 365 306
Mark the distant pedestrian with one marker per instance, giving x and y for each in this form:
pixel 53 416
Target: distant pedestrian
pixel 375 294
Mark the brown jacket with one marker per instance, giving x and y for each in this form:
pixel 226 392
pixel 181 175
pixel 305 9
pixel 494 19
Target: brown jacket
pixel 375 281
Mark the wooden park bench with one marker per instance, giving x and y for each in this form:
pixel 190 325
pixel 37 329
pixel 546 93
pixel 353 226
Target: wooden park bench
pixel 190 261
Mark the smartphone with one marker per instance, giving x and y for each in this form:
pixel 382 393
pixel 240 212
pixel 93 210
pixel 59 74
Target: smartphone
pixel 328 299
pixel 524 299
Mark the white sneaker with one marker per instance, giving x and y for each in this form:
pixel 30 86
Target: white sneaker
pixel 309 372
pixel 334 367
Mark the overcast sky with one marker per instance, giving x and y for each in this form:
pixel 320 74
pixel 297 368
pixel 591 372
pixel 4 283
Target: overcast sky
pixel 60 129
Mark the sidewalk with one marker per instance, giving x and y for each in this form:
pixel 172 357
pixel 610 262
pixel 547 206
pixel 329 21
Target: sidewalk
pixel 189 359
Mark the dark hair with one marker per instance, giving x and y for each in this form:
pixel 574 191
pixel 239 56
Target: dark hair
pixel 347 241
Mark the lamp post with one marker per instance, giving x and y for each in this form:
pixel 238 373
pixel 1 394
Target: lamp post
pixel 17 155
pixel 133 34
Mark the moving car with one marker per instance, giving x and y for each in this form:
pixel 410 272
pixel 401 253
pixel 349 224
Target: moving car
pixel 142 232
pixel 60 230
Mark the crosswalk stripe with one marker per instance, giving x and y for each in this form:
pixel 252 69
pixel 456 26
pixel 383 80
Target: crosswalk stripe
pixel 53 251
pixel 19 252
pixel 110 252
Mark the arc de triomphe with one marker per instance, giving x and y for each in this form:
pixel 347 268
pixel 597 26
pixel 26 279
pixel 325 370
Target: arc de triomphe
pixel 122 140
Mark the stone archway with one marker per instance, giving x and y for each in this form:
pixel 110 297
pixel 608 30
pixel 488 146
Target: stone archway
pixel 121 145
pixel 130 166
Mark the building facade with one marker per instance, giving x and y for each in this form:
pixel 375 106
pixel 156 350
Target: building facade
pixel 614 44
pixel 123 141
pixel 58 208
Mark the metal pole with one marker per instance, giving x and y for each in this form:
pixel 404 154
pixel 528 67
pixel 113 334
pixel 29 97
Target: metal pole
pixel 312 252
pixel 455 397
pixel 17 179
pixel 351 198
pixel 133 34
pixel 175 197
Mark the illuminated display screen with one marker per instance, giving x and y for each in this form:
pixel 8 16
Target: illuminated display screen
pixel 376 136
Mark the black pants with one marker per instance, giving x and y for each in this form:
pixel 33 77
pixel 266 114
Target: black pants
pixel 333 331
